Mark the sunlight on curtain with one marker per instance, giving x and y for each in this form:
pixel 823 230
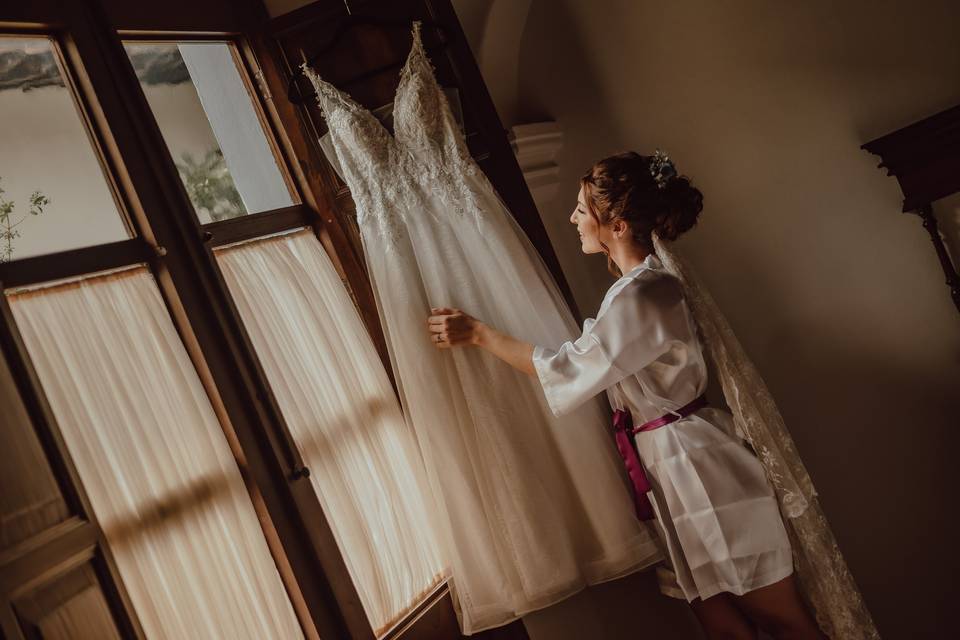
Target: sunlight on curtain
pixel 343 413
pixel 154 459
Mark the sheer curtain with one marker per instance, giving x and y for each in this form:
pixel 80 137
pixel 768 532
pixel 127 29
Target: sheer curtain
pixel 154 459
pixel 344 415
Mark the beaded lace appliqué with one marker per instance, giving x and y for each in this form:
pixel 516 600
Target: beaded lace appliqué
pixel 388 175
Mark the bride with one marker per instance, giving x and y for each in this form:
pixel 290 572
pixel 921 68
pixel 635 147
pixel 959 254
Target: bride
pixel 716 515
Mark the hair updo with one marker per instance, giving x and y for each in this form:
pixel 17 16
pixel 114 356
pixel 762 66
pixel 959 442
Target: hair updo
pixel 623 186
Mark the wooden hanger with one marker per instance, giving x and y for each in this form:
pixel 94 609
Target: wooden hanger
pixel 353 20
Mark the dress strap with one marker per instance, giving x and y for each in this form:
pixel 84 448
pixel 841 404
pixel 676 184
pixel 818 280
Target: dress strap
pixel 416 41
pixel 328 95
pixel 418 54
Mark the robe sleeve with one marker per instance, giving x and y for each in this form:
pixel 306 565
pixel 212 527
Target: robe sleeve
pixel 641 321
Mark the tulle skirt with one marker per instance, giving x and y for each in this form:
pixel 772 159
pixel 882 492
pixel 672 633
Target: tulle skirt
pixel 716 513
pixel 530 508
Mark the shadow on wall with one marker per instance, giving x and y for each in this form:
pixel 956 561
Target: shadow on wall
pixel 584 102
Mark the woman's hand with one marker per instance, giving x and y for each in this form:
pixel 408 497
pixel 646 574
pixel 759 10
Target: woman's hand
pixel 452 328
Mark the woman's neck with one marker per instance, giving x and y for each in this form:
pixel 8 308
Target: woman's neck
pixel 627 257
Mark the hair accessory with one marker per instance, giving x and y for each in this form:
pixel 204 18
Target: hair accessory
pixel 662 168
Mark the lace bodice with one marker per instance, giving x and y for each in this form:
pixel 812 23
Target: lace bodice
pixel 426 147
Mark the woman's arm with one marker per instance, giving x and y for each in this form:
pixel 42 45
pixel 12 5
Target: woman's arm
pixel 452 327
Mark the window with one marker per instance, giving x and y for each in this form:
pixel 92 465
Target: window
pixel 157 467
pixel 125 509
pixel 100 538
pixel 53 192
pixel 211 126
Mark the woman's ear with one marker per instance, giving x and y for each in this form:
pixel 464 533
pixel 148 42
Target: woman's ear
pixel 619 228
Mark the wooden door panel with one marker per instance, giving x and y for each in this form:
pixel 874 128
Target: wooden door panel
pixel 71 605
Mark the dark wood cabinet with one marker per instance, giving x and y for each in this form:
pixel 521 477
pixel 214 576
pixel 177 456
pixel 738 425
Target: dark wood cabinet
pixel 925 159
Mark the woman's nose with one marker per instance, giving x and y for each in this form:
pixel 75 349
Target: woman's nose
pixel 573 218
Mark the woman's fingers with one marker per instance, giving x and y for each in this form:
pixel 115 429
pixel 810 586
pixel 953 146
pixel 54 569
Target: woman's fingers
pixel 444 317
pixel 449 327
pixel 437 315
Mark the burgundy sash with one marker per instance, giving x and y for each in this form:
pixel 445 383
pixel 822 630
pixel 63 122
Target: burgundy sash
pixel 624 431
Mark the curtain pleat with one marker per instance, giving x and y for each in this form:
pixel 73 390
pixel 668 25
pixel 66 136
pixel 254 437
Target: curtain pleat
pixel 154 460
pixel 343 413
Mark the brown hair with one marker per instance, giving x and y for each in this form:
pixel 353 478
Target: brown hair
pixel 622 187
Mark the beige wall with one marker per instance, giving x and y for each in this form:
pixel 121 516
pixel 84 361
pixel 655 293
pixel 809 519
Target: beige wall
pixel 835 293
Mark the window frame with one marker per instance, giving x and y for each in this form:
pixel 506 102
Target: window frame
pixel 179 250
pixel 170 241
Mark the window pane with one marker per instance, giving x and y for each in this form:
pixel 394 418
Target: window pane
pixel 212 128
pixel 53 193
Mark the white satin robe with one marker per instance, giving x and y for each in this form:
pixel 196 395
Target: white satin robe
pixel 718 518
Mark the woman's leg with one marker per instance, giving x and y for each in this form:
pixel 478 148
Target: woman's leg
pixel 779 611
pixel 722 620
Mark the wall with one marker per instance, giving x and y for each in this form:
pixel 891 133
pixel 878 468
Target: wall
pixel 836 294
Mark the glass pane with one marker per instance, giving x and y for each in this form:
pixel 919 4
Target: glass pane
pixel 53 193
pixel 212 128
pixel 30 501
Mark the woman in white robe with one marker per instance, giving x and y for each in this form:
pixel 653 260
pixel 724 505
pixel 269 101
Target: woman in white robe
pixel 717 516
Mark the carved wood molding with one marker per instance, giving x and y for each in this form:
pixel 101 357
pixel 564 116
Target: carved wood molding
pixel 925 159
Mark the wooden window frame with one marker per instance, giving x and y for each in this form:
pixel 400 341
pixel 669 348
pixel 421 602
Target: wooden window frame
pixel 179 251
pixel 170 240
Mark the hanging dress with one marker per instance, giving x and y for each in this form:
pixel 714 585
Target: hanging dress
pixel 531 507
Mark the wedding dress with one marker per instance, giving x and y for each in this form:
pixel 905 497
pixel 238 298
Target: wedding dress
pixel 532 508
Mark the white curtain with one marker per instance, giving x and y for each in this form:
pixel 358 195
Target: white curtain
pixel 343 414
pixel 154 460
